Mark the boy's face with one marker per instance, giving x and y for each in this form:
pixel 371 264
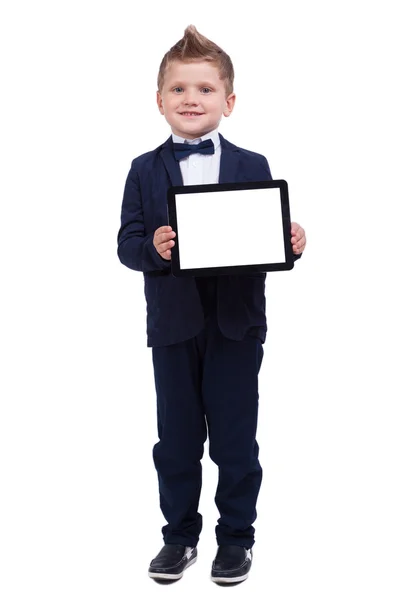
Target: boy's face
pixel 193 87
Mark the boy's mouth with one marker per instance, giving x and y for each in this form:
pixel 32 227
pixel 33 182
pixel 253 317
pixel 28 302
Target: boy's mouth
pixel 191 114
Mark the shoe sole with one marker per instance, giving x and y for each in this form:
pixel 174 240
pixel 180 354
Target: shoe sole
pixel 156 575
pixel 217 579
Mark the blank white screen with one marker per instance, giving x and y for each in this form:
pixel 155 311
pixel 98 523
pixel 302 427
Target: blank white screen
pixel 230 228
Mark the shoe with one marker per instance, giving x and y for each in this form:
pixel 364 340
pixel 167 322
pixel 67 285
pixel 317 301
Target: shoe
pixel 231 564
pixel 171 561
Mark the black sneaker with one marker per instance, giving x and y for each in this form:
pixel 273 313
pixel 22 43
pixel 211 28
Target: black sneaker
pixel 171 561
pixel 231 564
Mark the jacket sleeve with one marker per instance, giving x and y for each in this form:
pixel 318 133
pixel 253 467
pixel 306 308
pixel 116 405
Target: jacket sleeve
pixel 269 177
pixel 135 249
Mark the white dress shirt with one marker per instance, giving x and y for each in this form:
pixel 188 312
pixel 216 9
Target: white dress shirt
pixel 200 168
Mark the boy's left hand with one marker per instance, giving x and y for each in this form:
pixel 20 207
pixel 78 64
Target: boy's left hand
pixel 298 238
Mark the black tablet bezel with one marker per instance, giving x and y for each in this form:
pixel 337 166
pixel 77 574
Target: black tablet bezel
pixel 231 270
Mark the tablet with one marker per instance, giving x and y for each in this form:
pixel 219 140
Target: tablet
pixel 230 228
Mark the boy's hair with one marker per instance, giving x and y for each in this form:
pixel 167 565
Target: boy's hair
pixel 194 47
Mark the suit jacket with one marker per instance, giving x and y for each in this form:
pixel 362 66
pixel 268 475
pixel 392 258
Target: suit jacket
pixel 174 308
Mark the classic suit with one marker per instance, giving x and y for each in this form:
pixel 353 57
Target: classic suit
pixel 206 336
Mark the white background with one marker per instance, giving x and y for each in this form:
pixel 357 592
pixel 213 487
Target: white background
pixel 317 94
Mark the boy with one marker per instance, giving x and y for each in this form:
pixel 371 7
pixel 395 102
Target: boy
pixel 206 333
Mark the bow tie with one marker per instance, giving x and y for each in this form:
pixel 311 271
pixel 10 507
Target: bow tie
pixel 183 150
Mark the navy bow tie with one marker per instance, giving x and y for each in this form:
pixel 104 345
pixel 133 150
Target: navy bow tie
pixel 183 150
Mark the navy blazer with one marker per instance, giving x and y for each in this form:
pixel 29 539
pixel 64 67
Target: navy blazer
pixel 174 309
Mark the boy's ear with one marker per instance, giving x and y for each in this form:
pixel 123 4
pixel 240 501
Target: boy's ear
pixel 159 103
pixel 230 103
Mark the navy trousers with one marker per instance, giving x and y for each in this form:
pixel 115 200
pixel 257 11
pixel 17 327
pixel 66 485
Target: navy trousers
pixel 208 383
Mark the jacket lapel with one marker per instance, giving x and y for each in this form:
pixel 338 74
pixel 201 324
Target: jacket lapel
pixel 229 166
pixel 228 171
pixel 170 163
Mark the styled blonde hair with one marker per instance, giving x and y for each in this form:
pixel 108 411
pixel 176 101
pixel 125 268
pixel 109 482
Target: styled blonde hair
pixel 195 47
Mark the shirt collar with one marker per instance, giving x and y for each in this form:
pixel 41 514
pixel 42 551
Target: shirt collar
pixel 211 134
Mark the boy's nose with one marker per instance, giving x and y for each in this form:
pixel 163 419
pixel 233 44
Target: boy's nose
pixel 191 99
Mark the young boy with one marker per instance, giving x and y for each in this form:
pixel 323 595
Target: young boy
pixel 206 333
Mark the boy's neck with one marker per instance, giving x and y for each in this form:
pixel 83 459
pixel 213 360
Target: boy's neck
pixel 209 134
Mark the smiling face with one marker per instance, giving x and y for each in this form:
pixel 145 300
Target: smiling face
pixel 193 88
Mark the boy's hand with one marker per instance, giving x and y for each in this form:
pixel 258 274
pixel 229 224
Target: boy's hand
pixel 298 238
pixel 163 242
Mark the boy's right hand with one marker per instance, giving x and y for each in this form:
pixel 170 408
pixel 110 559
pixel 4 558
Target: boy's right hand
pixel 163 242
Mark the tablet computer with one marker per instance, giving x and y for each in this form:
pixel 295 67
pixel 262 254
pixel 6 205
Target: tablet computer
pixel 230 228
